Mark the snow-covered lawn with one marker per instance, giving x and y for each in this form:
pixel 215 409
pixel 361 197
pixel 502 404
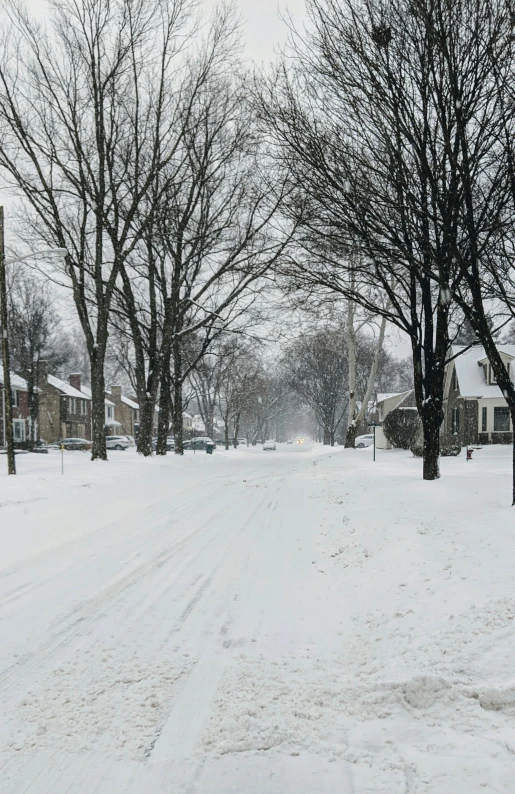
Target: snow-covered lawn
pixel 299 622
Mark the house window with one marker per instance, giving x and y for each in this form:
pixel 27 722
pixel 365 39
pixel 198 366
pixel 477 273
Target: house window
pixel 15 398
pixel 109 412
pixel 493 379
pixel 454 382
pixel 484 420
pixel 502 420
pixel 455 425
pixel 19 429
pixel 83 407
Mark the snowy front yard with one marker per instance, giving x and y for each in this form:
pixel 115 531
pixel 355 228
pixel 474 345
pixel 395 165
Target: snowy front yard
pixel 298 622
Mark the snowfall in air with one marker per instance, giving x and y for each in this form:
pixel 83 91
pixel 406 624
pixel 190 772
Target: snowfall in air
pixel 304 621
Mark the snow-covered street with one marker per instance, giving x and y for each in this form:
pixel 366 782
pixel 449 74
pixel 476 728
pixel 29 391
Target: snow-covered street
pixel 302 621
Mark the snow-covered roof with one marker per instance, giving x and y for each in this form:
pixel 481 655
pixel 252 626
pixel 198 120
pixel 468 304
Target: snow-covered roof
pixel 87 392
pixel 112 423
pixel 381 397
pixel 130 403
pixel 66 388
pixel 16 381
pixel 471 376
pixel 187 415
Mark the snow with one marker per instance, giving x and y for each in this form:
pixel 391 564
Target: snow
pixel 65 387
pixel 87 391
pixel 381 397
pixel 471 378
pixel 304 621
pixel 16 381
pixel 130 403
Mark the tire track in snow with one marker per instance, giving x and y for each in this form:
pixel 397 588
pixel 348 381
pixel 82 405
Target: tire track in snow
pixel 179 736
pixel 86 615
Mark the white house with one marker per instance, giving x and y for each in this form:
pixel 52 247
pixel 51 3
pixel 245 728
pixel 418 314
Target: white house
pixel 475 410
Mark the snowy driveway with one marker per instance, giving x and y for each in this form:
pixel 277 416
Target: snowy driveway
pixel 273 623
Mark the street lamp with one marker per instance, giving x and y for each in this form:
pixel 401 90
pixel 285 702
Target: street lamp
pixel 7 408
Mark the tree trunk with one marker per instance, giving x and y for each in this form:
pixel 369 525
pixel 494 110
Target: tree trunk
pixel 164 410
pixel 350 436
pixel 33 408
pixel 431 428
pixel 226 431
pixel 327 437
pixel 513 460
pixel 351 344
pixel 177 398
pixel 99 451
pixel 146 424
pixel 237 429
pixel 177 417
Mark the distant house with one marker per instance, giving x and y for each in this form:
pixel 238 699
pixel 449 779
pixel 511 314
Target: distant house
pixel 19 404
pixel 64 410
pixel 187 422
pixel 475 410
pixel 126 411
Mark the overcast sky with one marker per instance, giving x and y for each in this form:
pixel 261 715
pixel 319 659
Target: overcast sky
pixel 263 31
pixel 262 26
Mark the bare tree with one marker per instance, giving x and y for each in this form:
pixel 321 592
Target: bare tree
pixel 362 130
pixel 317 369
pixel 216 233
pixel 35 332
pixel 86 130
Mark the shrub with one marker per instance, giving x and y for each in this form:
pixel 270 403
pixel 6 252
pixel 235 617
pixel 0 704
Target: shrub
pixel 402 427
pixel 450 450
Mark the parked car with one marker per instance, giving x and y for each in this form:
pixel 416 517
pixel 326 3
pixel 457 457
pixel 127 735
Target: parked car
pixel 40 447
pixel 242 442
pixel 199 443
pixel 170 443
pixel 131 440
pixel 364 441
pixel 269 445
pixel 290 441
pixel 117 442
pixel 75 443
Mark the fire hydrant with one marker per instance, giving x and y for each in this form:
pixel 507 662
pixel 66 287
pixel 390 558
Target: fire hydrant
pixel 469 453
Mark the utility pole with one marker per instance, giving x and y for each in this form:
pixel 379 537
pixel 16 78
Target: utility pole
pixel 8 415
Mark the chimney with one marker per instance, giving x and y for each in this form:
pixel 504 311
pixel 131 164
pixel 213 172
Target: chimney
pixel 74 381
pixel 116 394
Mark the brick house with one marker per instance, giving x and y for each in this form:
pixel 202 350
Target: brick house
pixel 64 410
pixel 125 410
pixel 475 411
pixel 19 409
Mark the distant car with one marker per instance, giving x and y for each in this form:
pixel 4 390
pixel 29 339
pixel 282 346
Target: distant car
pixel 199 443
pixel 117 442
pixel 300 441
pixel 364 441
pixel 170 443
pixel 269 445
pixel 290 441
pixel 242 442
pixel 40 447
pixel 75 443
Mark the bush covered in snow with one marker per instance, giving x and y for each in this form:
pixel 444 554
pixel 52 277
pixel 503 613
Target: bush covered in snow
pixel 402 427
